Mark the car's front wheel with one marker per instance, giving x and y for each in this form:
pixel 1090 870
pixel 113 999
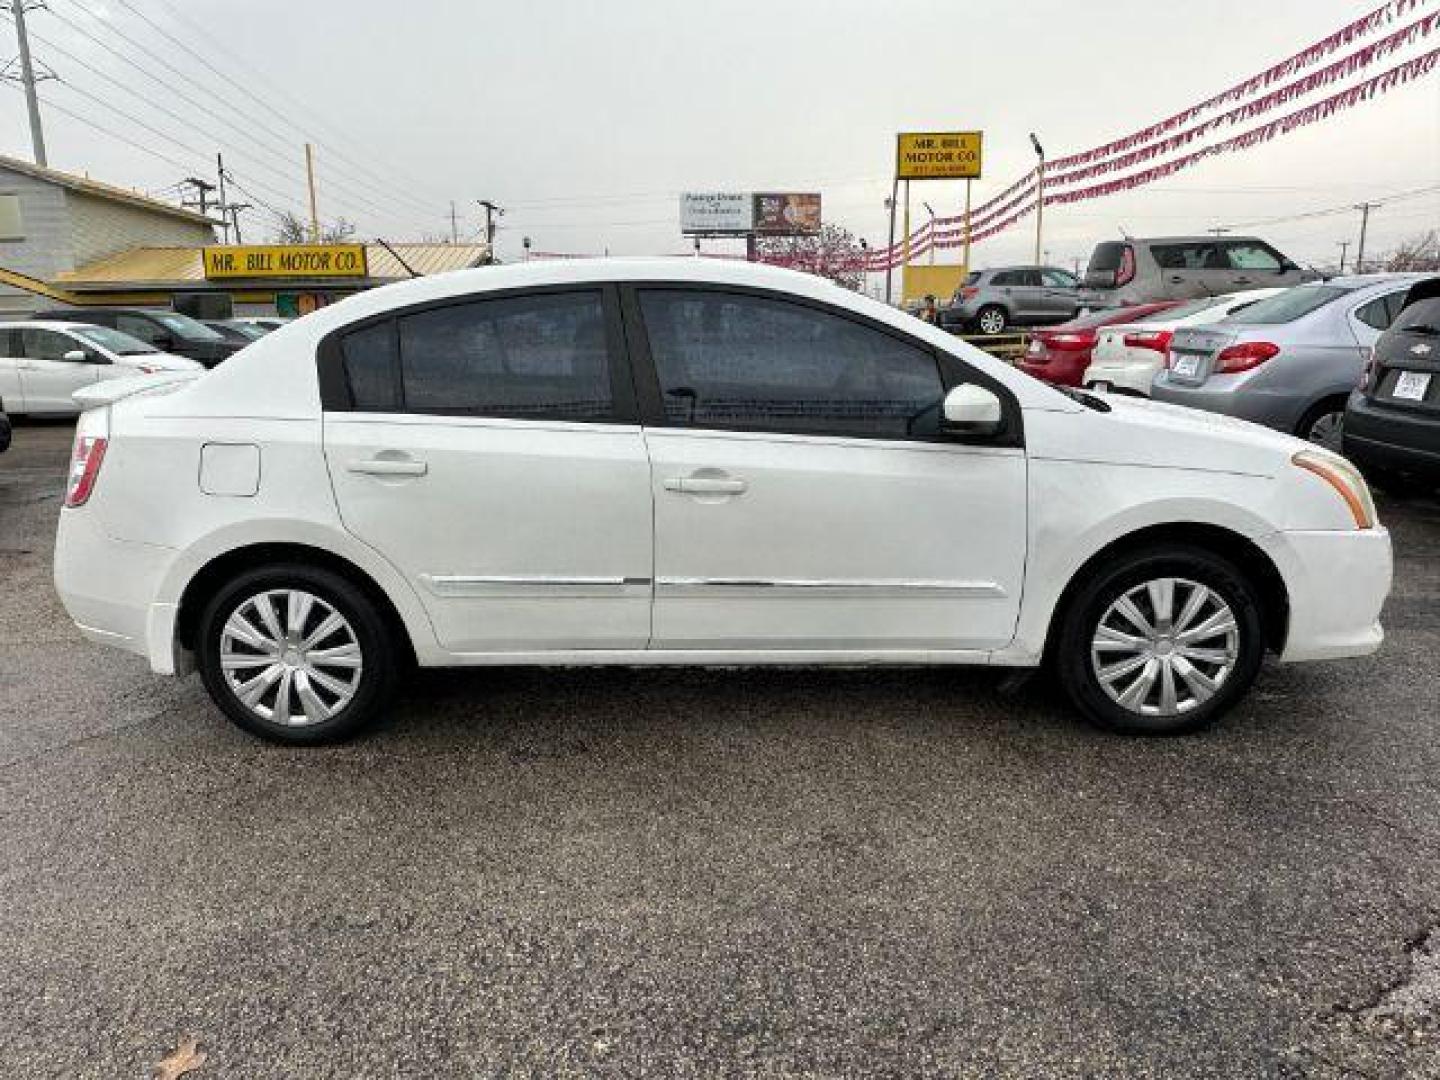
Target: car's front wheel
pixel 296 654
pixel 1162 642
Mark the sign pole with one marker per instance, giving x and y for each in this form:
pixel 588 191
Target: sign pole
pixel 967 226
pixel 890 250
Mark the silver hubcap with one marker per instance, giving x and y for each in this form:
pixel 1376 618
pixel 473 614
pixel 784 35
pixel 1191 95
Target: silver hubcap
pixel 992 322
pixel 1326 430
pixel 290 658
pixel 1165 647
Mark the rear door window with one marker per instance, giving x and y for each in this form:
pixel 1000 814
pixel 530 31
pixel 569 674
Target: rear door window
pixel 1190 256
pixel 1007 277
pixel 1058 279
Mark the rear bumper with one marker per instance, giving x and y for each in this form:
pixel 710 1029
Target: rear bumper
pixel 1133 377
pixel 1061 369
pixel 1393 439
pixel 1222 394
pixel 109 586
pixel 1337 583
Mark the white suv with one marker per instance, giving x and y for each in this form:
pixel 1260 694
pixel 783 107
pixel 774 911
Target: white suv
pixel 685 462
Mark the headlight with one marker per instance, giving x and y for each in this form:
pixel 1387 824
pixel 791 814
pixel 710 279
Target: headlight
pixel 1345 479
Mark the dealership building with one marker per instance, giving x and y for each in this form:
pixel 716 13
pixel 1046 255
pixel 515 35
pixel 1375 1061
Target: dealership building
pixel 68 239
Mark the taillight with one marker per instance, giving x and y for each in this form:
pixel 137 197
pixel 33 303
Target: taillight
pixel 1159 340
pixel 84 468
pixel 1243 357
pixel 1126 273
pixel 969 292
pixel 1071 339
pixel 1368 371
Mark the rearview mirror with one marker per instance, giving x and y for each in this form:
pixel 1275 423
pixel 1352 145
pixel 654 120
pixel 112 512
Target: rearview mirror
pixel 972 410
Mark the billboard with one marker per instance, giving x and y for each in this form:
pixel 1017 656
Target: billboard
pixel 787 213
pixel 716 212
pixel 741 213
pixel 938 155
pixel 284 261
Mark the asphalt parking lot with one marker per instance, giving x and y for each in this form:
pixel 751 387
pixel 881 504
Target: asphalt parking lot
pixel 681 873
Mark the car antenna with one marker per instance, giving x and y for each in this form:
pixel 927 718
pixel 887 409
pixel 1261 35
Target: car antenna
pixel 386 245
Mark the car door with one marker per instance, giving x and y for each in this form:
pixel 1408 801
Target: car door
pixel 1029 293
pixel 12 398
pixel 805 498
pixel 53 367
pixel 1059 295
pixel 1192 268
pixel 1254 265
pixel 488 448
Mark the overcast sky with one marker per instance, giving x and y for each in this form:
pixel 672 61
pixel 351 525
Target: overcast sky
pixel 586 119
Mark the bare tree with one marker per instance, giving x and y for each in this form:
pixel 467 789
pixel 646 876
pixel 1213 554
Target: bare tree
pixel 1419 253
pixel 833 253
pixel 291 228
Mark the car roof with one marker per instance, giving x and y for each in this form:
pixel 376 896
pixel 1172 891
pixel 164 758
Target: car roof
pixel 53 312
pixel 42 324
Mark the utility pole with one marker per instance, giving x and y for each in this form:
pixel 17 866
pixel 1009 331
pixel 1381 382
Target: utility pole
pixel 202 188
pixel 454 224
pixel 235 209
pixel 28 80
pixel 890 250
pixel 1218 231
pixel 931 211
pixel 1364 208
pixel 224 206
pixel 1039 193
pixel 492 211
pixel 1344 246
pixel 310 181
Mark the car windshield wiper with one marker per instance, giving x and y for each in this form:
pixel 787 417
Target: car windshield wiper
pixel 1423 328
pixel 1090 401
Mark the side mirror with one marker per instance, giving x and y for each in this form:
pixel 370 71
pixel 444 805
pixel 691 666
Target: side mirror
pixel 1100 279
pixel 75 356
pixel 972 410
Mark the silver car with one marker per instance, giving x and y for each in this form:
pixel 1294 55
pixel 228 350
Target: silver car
pixel 1134 271
pixel 994 299
pixel 1288 362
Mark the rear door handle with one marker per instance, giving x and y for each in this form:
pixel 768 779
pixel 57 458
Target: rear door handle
pixel 389 467
pixel 705 485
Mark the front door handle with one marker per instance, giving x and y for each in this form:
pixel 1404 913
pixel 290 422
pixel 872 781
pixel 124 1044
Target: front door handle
pixel 389 467
pixel 706 485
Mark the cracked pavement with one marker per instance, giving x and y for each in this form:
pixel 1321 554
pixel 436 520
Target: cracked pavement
pixel 691 873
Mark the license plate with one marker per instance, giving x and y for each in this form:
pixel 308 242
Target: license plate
pixel 1186 365
pixel 1411 386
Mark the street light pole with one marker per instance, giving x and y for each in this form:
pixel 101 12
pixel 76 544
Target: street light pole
pixel 1039 194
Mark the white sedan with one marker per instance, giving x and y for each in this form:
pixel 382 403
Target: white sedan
pixel 42 364
pixel 678 461
pixel 1128 356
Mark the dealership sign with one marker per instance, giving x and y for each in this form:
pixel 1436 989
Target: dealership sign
pixel 937 155
pixel 737 213
pixel 285 261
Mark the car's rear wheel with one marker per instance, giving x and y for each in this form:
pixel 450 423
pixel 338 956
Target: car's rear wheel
pixel 1324 424
pixel 296 654
pixel 991 319
pixel 1162 642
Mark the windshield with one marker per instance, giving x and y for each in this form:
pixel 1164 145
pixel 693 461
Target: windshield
pixel 114 341
pixel 186 327
pixel 247 330
pixel 1287 306
pixel 1185 310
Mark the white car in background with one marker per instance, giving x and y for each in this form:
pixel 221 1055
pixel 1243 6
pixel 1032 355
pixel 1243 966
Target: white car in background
pixel 680 461
pixel 1127 356
pixel 43 363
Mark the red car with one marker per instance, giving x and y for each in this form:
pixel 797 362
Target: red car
pixel 1062 353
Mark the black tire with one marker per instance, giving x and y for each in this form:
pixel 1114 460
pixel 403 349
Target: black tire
pixel 1313 415
pixel 1074 662
pixel 380 655
pixel 994 311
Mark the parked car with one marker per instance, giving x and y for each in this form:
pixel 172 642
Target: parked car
pixel 168 331
pixel 1062 354
pixel 992 300
pixel 1185 267
pixel 1127 357
pixel 239 333
pixel 264 323
pixel 1392 420
pixel 687 462
pixel 42 364
pixel 1289 362
pixel 5 430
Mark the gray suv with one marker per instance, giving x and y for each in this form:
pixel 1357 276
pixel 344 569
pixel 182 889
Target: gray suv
pixel 1184 268
pixel 991 300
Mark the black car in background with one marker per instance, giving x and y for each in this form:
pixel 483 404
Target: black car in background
pixel 168 331
pixel 1392 420
pixel 4 432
